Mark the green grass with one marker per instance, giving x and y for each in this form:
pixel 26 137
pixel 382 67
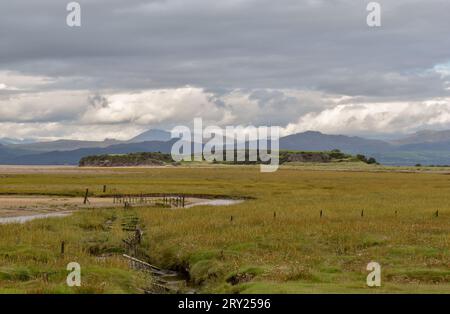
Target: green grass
pixel 31 260
pixel 296 252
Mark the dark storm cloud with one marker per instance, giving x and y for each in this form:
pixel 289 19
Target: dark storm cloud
pixel 323 45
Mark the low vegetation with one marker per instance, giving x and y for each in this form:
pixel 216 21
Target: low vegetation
pixel 126 160
pixel 277 241
pixel 159 159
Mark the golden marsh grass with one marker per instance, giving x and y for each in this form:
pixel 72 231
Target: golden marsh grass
pixel 276 242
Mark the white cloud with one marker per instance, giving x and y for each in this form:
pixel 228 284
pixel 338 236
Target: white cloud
pixel 51 106
pixel 49 131
pixel 16 81
pixel 443 69
pixel 389 117
pixel 154 107
pixel 46 113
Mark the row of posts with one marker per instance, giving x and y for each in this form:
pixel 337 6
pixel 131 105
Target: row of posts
pixel 173 201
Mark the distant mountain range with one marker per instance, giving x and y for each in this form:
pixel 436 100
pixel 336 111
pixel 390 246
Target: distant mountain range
pixel 63 145
pixel 424 147
pixel 72 157
pixel 7 141
pixel 316 141
pixel 425 136
pixel 152 135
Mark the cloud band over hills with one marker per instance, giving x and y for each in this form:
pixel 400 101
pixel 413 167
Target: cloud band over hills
pixel 135 65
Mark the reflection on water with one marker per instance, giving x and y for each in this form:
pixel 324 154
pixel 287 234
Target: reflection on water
pixel 23 219
pixel 216 202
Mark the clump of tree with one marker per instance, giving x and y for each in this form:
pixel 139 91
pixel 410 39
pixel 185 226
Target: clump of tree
pixel 287 156
pixel 126 160
pixel 337 154
pixel 442 166
pixel 369 160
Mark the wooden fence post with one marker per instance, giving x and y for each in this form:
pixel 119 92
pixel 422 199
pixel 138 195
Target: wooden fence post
pixel 86 196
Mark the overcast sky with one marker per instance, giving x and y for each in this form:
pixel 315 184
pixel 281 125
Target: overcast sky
pixel 299 64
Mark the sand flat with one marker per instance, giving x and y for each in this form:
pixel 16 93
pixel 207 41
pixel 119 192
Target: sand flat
pixel 26 205
pixel 23 205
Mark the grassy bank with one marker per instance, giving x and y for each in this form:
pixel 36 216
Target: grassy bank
pixel 31 259
pixel 276 242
